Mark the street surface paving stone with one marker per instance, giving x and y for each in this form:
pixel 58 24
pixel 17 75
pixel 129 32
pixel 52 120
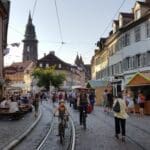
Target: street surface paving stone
pixel 39 132
pixel 11 129
pixel 100 132
pixel 98 136
pixel 35 137
pixel 53 140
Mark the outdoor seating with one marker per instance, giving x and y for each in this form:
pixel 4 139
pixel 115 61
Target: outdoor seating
pixel 5 114
pixel 25 108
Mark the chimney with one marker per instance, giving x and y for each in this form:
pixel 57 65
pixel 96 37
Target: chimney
pixel 44 54
pixel 132 10
pixel 52 52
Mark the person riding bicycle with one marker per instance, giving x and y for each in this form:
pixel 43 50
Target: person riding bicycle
pixel 62 112
pixel 61 109
pixel 83 103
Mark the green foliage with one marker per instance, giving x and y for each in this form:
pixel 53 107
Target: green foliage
pixel 88 85
pixel 47 77
pixel 58 80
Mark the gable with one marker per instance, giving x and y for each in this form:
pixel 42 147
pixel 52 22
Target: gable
pixel 139 80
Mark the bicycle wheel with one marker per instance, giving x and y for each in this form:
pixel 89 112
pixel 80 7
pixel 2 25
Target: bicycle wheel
pixel 84 120
pixel 62 133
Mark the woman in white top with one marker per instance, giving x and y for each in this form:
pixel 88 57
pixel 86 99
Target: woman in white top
pixel 13 106
pixel 130 102
pixel 120 118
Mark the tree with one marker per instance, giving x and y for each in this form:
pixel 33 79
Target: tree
pixel 47 77
pixel 58 80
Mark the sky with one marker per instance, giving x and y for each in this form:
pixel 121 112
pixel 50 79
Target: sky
pixel 82 22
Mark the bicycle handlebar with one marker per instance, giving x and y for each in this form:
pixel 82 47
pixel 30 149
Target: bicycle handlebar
pixel 59 115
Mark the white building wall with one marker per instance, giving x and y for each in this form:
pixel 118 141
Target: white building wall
pixel 134 48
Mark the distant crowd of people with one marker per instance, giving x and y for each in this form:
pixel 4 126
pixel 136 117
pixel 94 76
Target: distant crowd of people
pixel 82 100
pixel 128 97
pixel 20 103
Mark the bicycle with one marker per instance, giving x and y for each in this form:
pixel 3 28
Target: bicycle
pixel 61 127
pixel 84 115
pixel 84 119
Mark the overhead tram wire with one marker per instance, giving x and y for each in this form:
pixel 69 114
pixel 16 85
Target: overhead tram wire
pixel 59 24
pixel 34 8
pixel 113 17
pixel 33 12
pixel 16 30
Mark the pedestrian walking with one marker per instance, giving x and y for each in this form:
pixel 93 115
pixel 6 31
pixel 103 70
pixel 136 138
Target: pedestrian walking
pixel 92 99
pixel 110 101
pixel 36 104
pixel 141 101
pixel 130 102
pixel 83 103
pixel 70 98
pixel 120 117
pixel 105 101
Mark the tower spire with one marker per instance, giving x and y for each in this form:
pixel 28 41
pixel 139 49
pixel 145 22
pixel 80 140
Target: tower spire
pixel 30 48
pixel 29 18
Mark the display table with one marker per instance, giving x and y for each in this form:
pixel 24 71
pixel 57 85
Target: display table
pixel 136 108
pixel 147 108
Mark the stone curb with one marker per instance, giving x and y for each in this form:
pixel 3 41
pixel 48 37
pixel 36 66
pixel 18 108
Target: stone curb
pixel 21 137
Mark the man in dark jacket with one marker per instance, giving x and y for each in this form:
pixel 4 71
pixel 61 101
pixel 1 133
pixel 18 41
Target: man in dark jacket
pixel 83 103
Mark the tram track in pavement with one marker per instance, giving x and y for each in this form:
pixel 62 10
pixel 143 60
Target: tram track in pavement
pixel 38 132
pixel 51 134
pixel 43 131
pixel 131 124
pixel 129 137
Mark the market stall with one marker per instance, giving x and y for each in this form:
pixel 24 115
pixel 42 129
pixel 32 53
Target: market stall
pixel 141 81
pixel 99 86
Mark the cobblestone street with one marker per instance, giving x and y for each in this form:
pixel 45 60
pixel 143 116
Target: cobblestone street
pixel 75 75
pixel 100 132
pixel 11 129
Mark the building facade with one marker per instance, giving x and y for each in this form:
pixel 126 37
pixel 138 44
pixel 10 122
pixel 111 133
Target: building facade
pixel 75 76
pixel 85 67
pixel 30 48
pixel 4 18
pixel 128 47
pixel 19 76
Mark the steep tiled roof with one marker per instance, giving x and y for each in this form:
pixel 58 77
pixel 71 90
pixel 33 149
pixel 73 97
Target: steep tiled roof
pixel 128 15
pixel 18 67
pixel 144 3
pixel 22 64
pixel 116 21
pixel 52 60
pixel 97 83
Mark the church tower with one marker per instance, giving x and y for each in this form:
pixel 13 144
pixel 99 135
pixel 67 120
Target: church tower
pixel 77 60
pixel 30 48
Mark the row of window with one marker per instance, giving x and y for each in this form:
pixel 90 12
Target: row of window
pixel 47 65
pixel 129 63
pixel 125 39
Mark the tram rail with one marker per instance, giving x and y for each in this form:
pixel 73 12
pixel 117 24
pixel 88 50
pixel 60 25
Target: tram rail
pixel 71 145
pixel 129 137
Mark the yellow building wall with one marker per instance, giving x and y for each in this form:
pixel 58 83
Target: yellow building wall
pixel 99 95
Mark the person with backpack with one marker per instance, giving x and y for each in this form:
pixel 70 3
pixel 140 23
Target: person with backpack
pixel 82 104
pixel 120 116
